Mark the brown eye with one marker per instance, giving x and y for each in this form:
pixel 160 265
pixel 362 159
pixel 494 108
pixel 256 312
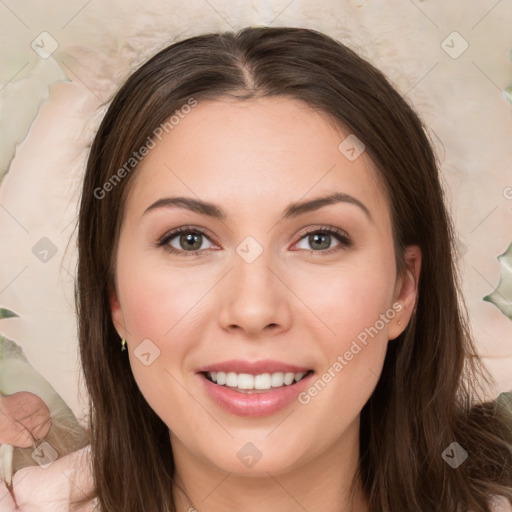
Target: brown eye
pixel 183 241
pixel 190 241
pixel 320 240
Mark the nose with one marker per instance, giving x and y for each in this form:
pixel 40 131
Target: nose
pixel 254 299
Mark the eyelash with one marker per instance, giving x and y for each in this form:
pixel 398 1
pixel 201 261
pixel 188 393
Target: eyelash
pixel 344 240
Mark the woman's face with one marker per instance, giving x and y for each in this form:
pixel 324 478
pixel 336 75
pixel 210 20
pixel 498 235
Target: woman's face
pixel 253 296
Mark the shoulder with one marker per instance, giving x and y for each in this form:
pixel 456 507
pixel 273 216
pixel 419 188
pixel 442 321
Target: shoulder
pixel 53 487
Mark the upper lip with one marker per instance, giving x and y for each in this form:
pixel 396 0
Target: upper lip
pixel 253 367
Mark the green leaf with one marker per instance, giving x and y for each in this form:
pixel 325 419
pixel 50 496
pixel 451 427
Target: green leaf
pixel 501 297
pixel 507 93
pixel 7 313
pixel 504 401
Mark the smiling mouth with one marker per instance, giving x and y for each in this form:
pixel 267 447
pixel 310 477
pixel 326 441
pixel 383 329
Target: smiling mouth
pixel 261 383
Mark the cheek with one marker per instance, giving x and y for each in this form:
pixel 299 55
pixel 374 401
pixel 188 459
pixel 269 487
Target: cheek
pixel 349 299
pixel 352 355
pixel 159 306
pixel 353 309
pixel 157 301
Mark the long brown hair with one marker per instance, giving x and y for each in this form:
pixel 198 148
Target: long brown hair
pixel 426 397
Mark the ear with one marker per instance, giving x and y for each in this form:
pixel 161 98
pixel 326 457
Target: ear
pixel 116 311
pixel 406 291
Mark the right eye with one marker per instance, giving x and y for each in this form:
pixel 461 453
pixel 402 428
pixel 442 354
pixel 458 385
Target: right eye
pixel 187 238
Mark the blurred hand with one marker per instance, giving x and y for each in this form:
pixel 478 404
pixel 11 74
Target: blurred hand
pixel 23 418
pixel 52 489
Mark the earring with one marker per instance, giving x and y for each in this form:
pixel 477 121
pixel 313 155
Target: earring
pixel 123 344
pixel 399 323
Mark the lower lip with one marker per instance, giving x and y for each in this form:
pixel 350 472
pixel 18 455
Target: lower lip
pixel 262 403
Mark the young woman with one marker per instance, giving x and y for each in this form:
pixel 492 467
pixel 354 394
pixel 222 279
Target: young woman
pixel 269 314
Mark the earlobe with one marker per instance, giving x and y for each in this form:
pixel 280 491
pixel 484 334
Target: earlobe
pixel 406 291
pixel 116 311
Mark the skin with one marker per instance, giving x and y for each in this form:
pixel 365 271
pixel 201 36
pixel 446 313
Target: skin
pixel 24 418
pixel 292 304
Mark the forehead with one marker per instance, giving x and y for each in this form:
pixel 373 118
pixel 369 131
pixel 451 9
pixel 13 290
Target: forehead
pixel 252 154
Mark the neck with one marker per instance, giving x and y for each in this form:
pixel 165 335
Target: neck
pixel 321 483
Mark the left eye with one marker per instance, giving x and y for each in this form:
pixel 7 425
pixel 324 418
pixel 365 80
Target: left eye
pixel 321 238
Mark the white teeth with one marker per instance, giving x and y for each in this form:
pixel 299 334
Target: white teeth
pixel 298 376
pixel 245 381
pixel 260 381
pixel 288 378
pixel 232 380
pixel 277 380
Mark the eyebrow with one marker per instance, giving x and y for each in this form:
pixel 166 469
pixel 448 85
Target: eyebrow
pixel 293 210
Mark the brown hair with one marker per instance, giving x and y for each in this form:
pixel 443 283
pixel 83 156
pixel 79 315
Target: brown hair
pixel 425 398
